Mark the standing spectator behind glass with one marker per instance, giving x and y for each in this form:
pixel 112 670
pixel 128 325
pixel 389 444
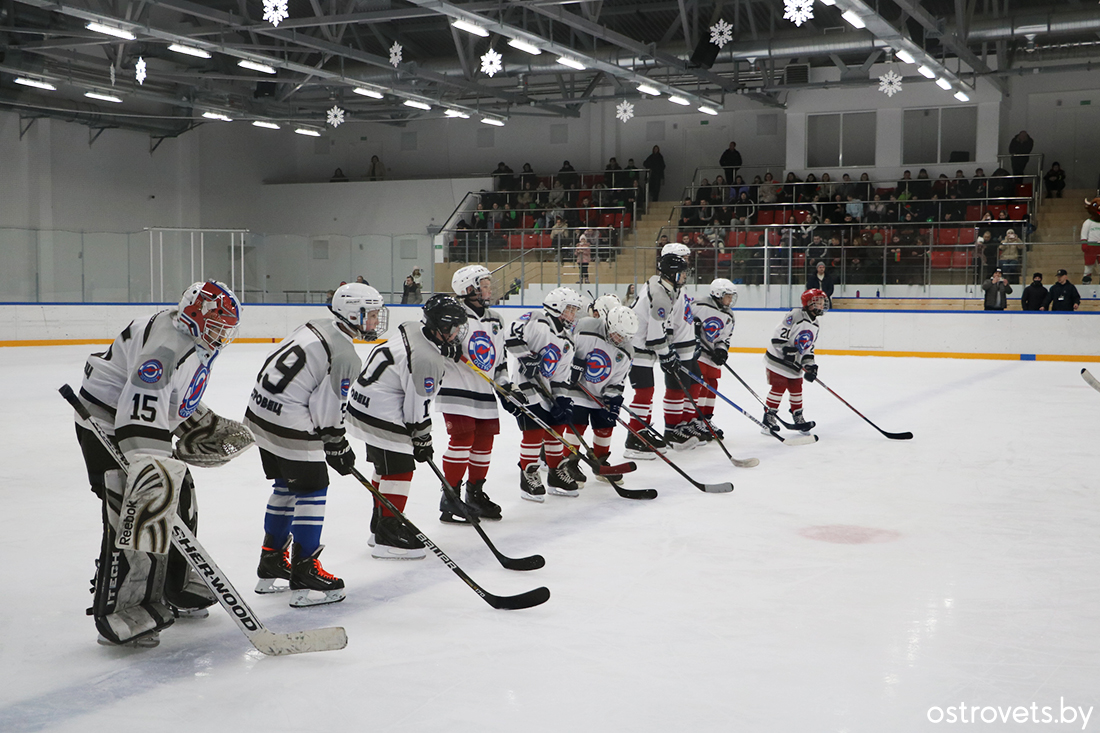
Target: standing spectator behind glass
pixel 987 250
pixel 655 164
pixel 822 281
pixel 338 177
pixel 1008 255
pixel 410 293
pixel 1055 180
pixel 730 160
pixel 527 177
pixel 376 171
pixel 502 177
pixel 1034 294
pixel 996 291
pixel 1063 296
pixel 1019 149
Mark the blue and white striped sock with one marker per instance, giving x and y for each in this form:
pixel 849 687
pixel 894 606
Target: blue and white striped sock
pixel 280 510
pixel 309 517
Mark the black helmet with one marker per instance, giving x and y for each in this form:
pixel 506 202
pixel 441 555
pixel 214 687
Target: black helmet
pixel 443 315
pixel 670 266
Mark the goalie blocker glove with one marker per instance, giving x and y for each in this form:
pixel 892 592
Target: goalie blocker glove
pixel 340 456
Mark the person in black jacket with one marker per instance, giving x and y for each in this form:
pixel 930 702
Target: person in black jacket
pixel 1019 148
pixel 730 161
pixel 1063 295
pixel 818 280
pixel 1034 294
pixel 996 291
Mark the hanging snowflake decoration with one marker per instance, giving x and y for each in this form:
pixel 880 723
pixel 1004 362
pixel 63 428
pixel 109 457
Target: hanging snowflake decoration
pixel 490 62
pixel 798 11
pixel 721 33
pixel 112 74
pixel 890 83
pixel 335 116
pixel 395 54
pixel 139 71
pixel 624 111
pixel 275 11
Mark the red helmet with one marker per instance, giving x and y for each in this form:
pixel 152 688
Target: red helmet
pixel 1093 207
pixel 210 312
pixel 815 301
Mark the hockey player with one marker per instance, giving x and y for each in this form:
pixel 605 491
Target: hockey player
pixel 714 325
pixel 601 363
pixel 660 302
pixel 297 414
pixel 790 356
pixel 468 403
pixel 1090 239
pixel 543 345
pixel 145 388
pixel 389 408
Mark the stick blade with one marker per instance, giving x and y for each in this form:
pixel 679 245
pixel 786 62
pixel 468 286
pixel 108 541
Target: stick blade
pixel 639 494
pixel 299 642
pixel 801 440
pixel 533 562
pixel 898 436
pixel 618 469
pixel 531 598
pixel 745 462
pixel 722 488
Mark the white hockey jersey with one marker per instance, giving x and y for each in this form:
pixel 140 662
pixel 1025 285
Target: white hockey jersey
pixel 150 379
pixel 1090 232
pixel 464 392
pixel 605 365
pixel 681 334
pixel 535 334
pixel 391 398
pixel 792 345
pixel 655 310
pixel 301 392
pixel 715 328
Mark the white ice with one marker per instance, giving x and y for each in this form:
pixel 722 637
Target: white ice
pixel 693 612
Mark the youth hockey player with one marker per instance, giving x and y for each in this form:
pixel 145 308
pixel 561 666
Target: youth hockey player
pixel 468 403
pixel 601 363
pixel 714 325
pixel 297 414
pixel 660 302
pixel 543 345
pixel 1090 239
pixel 145 388
pixel 790 356
pixel 389 408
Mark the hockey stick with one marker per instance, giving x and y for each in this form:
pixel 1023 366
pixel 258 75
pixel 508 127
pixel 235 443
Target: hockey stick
pixel 740 463
pixel 511 603
pixel 267 642
pixel 891 436
pixel 1090 380
pixel 784 423
pixel 800 440
pixel 723 488
pixel 533 562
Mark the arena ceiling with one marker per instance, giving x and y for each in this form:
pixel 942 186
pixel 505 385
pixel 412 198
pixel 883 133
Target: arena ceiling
pixel 325 49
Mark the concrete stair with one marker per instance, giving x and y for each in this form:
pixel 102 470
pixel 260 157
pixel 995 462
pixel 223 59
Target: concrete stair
pixel 1055 242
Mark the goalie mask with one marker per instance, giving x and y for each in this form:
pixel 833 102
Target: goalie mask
pixel 360 308
pixel 1093 208
pixel 815 302
pixel 477 277
pixel 210 312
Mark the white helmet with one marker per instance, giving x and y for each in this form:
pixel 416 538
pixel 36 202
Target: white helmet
pixel 603 305
pixel 622 324
pixel 676 248
pixel 722 287
pixel 353 303
pixel 468 277
pixel 558 299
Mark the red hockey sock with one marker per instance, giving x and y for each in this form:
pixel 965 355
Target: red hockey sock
pixel 394 487
pixel 479 457
pixel 457 457
pixel 529 446
pixel 641 405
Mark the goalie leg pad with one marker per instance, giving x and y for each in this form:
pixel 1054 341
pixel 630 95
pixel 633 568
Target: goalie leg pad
pixel 149 504
pixel 184 592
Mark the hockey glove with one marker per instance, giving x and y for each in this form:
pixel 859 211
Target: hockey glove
pixel 509 399
pixel 612 405
pixel 562 411
pixel 810 371
pixel 529 366
pixel 340 456
pixel 720 356
pixel 576 372
pixel 451 350
pixel 422 447
pixel 670 363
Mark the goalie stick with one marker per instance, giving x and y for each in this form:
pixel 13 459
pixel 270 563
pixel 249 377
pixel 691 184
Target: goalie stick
pixel 739 462
pixel 722 488
pixel 265 641
pixel 1090 380
pixel 784 423
pixel 799 440
pixel 511 603
pixel 532 562
pixel 891 436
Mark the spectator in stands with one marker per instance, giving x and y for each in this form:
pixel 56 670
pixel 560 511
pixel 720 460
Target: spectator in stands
pixel 723 218
pixel 904 186
pixel 502 178
pixel 359 278
pixel 527 177
pixel 808 189
pixel 633 198
pixel 922 187
pixel 1002 225
pixel 996 291
pixel 706 212
pixel 826 187
pixel 496 216
pixel 845 187
pixel 959 185
pixel 754 189
pixel 542 194
pixel 820 280
pixel 408 292
pixel 876 210
pixel 689 217
pixel 705 191
pixel 655 164
pixel 481 217
pixel 601 195
pixel 987 250
pixel 1020 148
pixel 952 209
pixel 526 199
pixel 854 207
pixel 744 211
pixel 632 173
pixel 567 176
pixel 557 195
pixel 611 174
pixel 1063 296
pixel 509 219
pixel 377 170
pixel 940 186
pixel 338 176
pixel 817 249
pixel 631 296
pixel 768 193
pixel 979 185
pixel 1008 255
pixel 789 190
pixel 583 255
pixel 864 189
pixel 1034 294
pixel 1055 180
pixel 738 186
pixel 730 160
pixel 720 191
pixel 1000 185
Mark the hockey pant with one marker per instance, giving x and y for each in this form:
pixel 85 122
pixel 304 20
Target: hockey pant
pixel 780 384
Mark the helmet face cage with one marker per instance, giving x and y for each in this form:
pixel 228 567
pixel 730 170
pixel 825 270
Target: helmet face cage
pixel 720 288
pixel 353 303
pixel 211 313
pixel 815 301
pixel 445 318
pixel 558 300
pixel 671 266
pixel 472 276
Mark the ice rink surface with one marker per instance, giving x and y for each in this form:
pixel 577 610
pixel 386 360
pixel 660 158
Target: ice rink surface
pixel 851 585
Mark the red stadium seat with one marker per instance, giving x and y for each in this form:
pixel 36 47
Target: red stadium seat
pixel 947 235
pixel 765 216
pixel 884 193
pixel 783 216
pixel 607 219
pixel 515 241
pixel 961 259
pixel 1024 189
pixel 974 213
pixel 799 259
pixel 528 221
pixel 801 215
pixel 1017 211
pixel 996 209
pixel 627 220
pixel 967 235
pixel 752 239
pixel 941 259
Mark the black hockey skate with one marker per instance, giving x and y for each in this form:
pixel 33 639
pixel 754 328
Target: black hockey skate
pixel 680 439
pixel 771 422
pixel 480 501
pixel 394 541
pixel 560 481
pixel 306 574
pixel 450 512
pixel 274 566
pixel 637 450
pixel 572 464
pixel 699 430
pixel 801 423
pixel 530 484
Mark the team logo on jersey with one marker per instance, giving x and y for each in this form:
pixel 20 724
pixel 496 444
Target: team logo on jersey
pixel 598 366
pixel 712 327
pixel 551 356
pixel 687 308
pixel 804 339
pixel 429 385
pixel 660 312
pixel 345 385
pixel 789 320
pixel 526 316
pixel 482 351
pixel 190 401
pixel 151 371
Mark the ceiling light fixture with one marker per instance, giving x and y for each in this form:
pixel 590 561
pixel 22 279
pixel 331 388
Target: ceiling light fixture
pixel 853 18
pixel 190 51
pixel 463 25
pixel 216 116
pixel 678 100
pixel 110 30
pixel 35 83
pixel 647 89
pixel 255 66
pixel 457 113
pixel 571 63
pixel 962 97
pixel 265 124
pixel 708 110
pixel 417 105
pixel 943 83
pixel 491 121
pixel 525 46
pixel 926 72
pixel 905 56
pixel 103 97
pixel 307 131
pixel 367 92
